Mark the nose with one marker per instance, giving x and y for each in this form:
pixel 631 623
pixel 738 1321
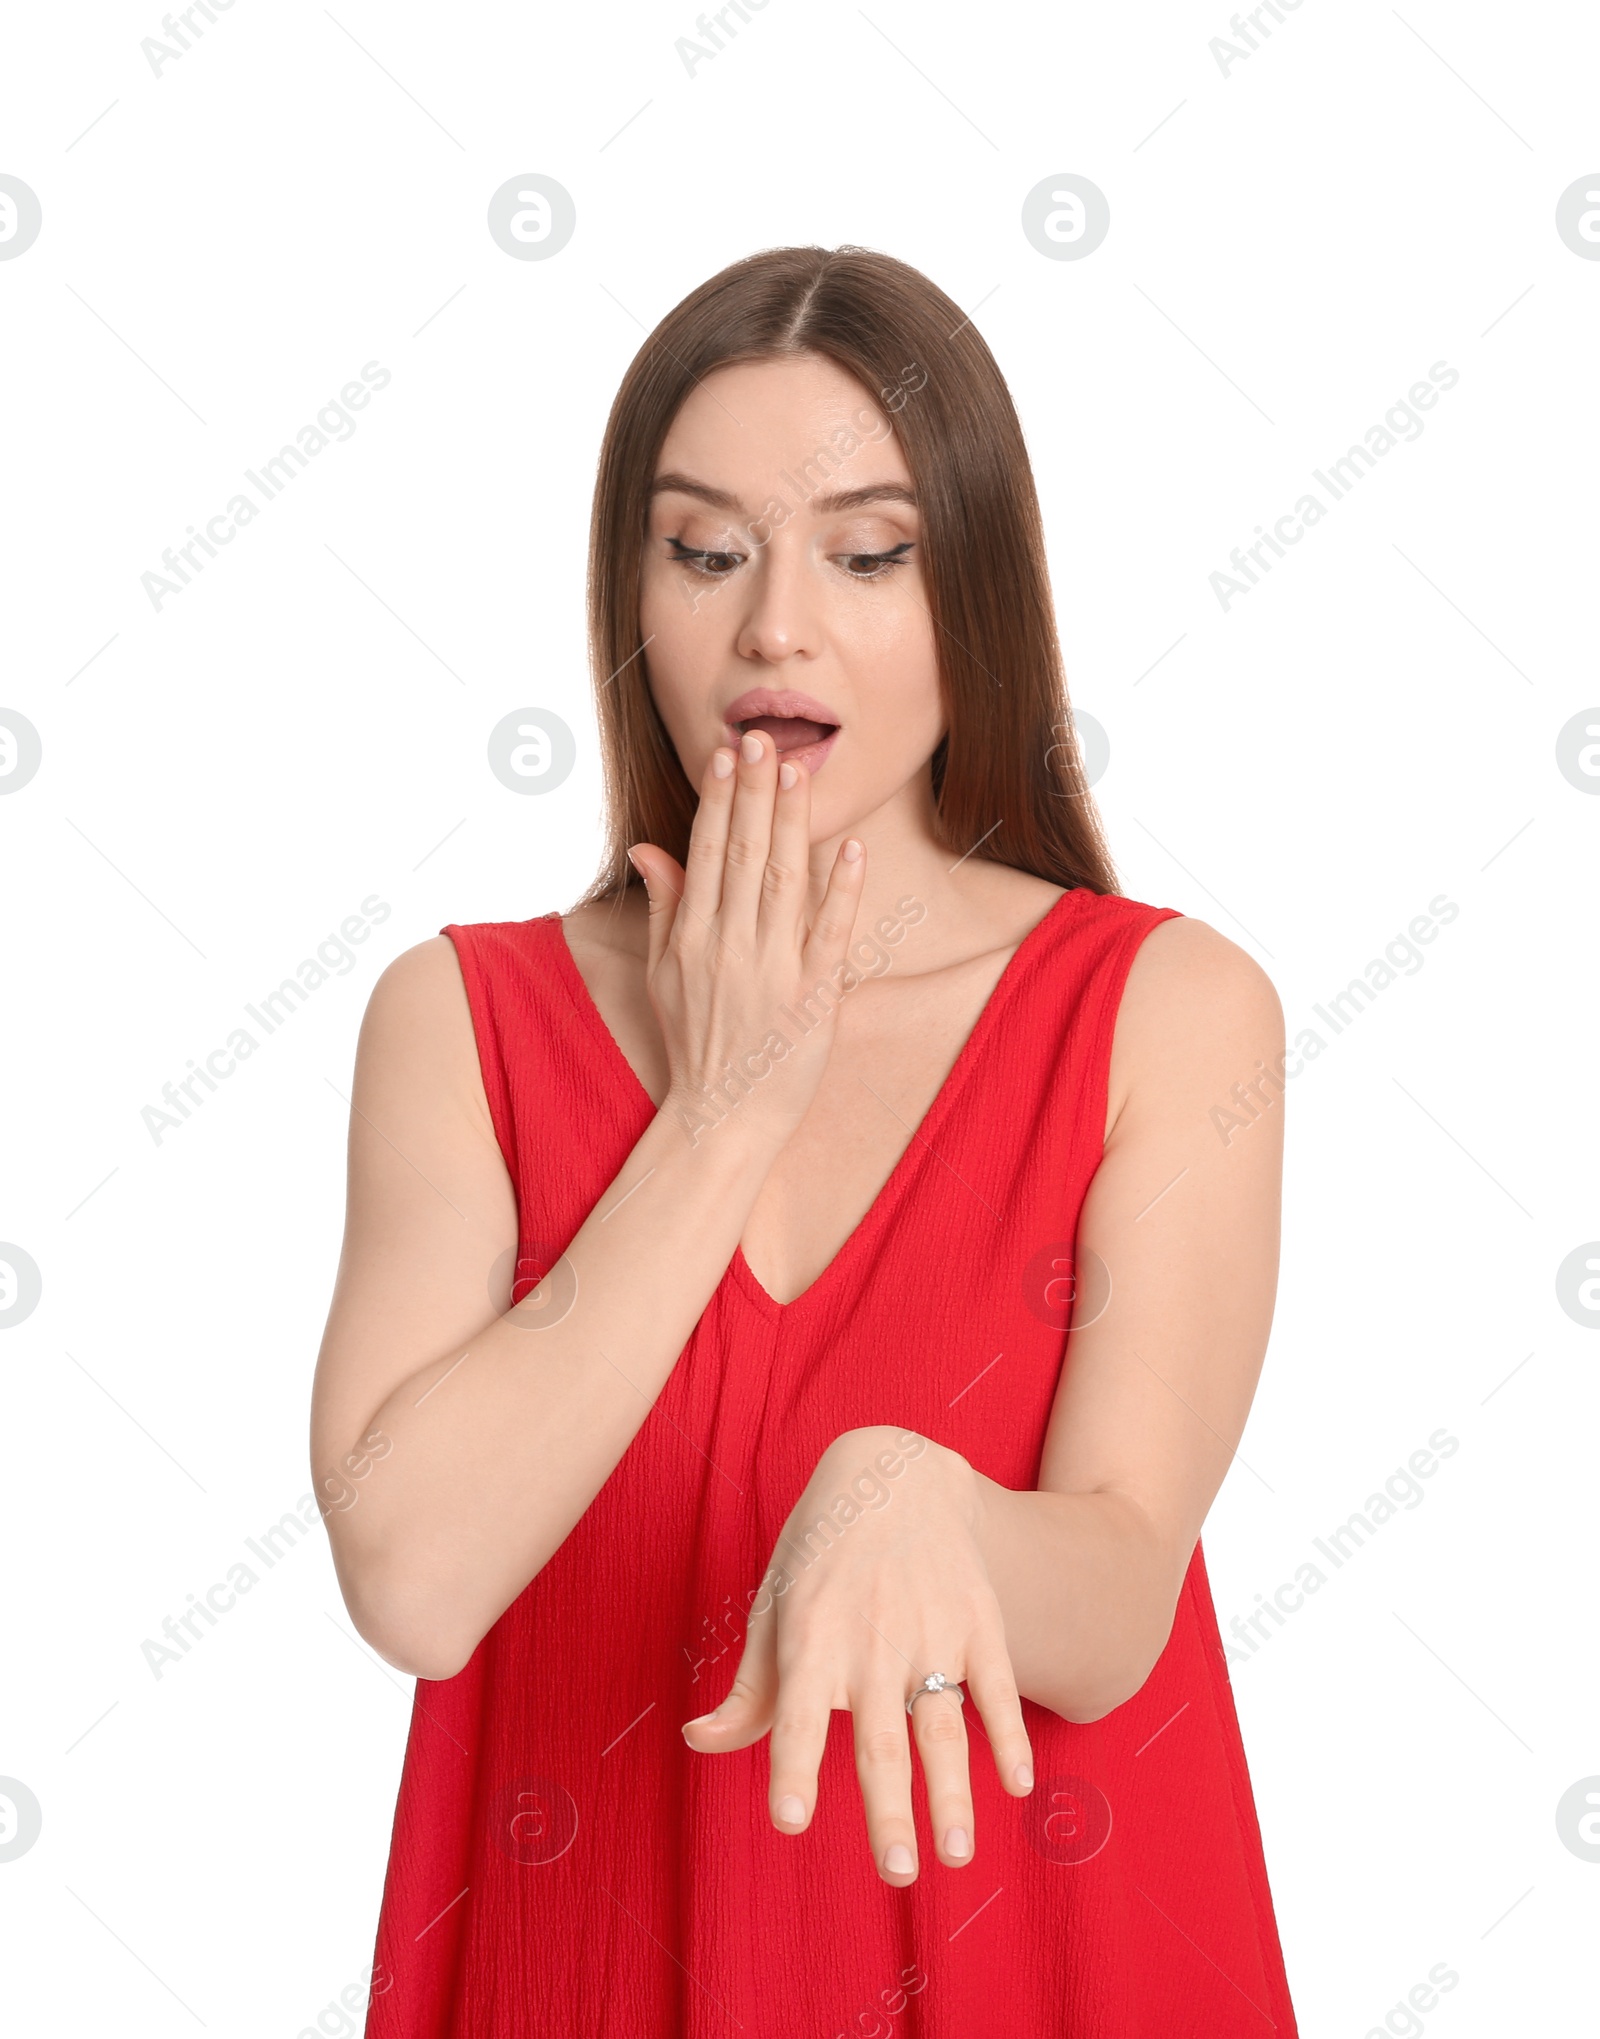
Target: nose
pixel 781 619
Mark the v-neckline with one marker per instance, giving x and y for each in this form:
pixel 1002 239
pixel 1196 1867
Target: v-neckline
pixel 873 1218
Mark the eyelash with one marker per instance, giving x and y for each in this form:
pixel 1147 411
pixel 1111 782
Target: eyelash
pixel 688 556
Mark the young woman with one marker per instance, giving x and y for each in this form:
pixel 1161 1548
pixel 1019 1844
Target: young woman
pixel 798 1307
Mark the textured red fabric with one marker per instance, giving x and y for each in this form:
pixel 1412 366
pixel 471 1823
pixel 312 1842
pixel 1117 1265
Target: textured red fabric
pixel 563 1863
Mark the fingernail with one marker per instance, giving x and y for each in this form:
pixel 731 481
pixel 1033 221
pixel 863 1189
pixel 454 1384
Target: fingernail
pixel 787 776
pixel 721 763
pixel 1025 1776
pixel 632 859
pixel 852 851
pixel 791 1810
pixel 899 1861
pixel 749 746
pixel 956 1843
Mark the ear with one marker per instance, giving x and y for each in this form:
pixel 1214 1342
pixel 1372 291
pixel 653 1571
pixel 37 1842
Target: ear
pixel 747 1712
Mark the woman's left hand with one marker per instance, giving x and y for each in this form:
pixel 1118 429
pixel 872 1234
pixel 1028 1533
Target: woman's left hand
pixel 877 1580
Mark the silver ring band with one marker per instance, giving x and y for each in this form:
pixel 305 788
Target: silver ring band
pixel 936 1681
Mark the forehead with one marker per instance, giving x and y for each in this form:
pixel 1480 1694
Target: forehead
pixel 745 425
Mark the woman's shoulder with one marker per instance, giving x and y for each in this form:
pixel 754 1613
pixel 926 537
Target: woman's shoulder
pixel 418 1012
pixel 1196 1016
pixel 424 1000
pixel 1186 961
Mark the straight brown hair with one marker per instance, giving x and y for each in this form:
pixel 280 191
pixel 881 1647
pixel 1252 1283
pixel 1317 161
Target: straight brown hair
pixel 1008 776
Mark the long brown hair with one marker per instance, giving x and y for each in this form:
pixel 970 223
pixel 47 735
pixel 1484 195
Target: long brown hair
pixel 1008 777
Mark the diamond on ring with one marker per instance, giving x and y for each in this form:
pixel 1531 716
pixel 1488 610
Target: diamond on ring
pixel 936 1681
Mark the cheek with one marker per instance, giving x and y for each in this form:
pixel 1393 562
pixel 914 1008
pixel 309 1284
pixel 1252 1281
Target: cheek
pixel 896 727
pixel 677 621
pixel 896 669
pixel 681 610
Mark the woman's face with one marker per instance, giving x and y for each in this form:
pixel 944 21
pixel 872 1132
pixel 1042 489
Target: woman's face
pixel 782 586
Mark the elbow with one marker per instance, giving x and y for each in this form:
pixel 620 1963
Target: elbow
pixel 413 1655
pixel 1081 1707
pixel 1083 1699
pixel 1084 1704
pixel 399 1623
pixel 416 1649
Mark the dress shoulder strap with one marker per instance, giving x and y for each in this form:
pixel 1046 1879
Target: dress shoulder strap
pixel 514 992
pixel 1101 944
pixel 1067 1010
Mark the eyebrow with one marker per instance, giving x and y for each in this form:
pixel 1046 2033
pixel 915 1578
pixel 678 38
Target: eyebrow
pixel 841 499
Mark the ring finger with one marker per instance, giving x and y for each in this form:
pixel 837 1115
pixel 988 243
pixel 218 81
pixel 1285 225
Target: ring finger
pixel 941 1738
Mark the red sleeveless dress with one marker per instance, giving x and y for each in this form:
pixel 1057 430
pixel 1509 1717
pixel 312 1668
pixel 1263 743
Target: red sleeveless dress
pixel 563 1863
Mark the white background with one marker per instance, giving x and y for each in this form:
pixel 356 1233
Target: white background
pixel 1292 246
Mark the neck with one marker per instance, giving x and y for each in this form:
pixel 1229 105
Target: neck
pixel 948 903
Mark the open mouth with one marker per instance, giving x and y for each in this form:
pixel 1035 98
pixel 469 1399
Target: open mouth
pixel 790 732
pixel 802 728
pixel 800 740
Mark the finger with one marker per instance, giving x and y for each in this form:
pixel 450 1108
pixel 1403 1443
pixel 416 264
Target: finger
pixel 836 916
pixel 746 1714
pixel 663 887
pixel 883 1767
pixel 708 839
pixel 742 1718
pixel 799 1737
pixel 993 1690
pixel 789 856
pixel 749 840
pixel 941 1737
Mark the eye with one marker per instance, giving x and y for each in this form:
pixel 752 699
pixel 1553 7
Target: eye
pixel 704 563
pixel 718 566
pixel 883 563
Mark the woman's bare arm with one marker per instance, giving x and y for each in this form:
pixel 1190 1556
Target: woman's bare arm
pixel 456 1441
pixel 484 1437
pixel 1183 1211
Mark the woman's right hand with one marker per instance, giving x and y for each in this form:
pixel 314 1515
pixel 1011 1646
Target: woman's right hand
pixel 743 990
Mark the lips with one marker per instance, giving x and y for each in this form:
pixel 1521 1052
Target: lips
pixel 788 732
pixel 801 727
